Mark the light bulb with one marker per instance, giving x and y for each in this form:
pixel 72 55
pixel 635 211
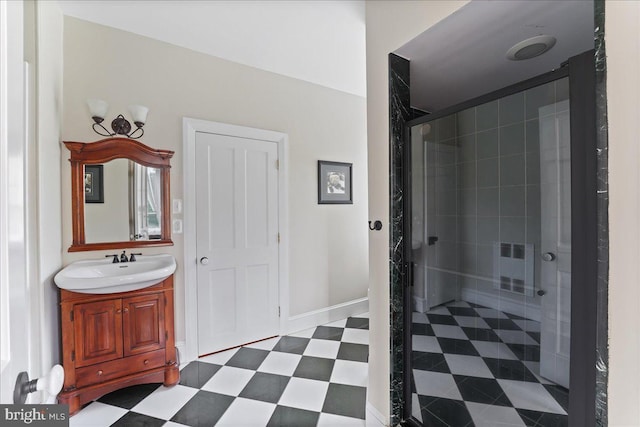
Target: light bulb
pixel 98 109
pixel 139 114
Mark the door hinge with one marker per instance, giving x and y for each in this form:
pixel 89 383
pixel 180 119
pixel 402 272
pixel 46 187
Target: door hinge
pixel 166 335
pixel 73 355
pixel 278 238
pixel 278 311
pixel 278 164
pixel 71 315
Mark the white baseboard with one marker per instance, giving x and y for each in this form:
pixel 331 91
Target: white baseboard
pixel 326 315
pixel 378 418
pixel 301 322
pixel 419 304
pixel 503 304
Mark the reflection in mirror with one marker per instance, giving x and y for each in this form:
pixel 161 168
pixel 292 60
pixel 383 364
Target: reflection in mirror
pixel 145 202
pixel 131 203
pixel 107 220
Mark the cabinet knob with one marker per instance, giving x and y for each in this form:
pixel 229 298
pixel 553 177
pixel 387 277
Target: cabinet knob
pixel 118 311
pixel 204 260
pixel 146 362
pixel 126 310
pixel 99 373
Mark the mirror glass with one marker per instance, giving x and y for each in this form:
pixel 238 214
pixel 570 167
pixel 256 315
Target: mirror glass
pixel 123 202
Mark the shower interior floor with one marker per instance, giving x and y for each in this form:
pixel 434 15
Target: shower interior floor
pixel 476 366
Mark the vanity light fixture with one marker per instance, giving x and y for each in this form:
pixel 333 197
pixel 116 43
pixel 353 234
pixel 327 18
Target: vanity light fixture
pixel 119 125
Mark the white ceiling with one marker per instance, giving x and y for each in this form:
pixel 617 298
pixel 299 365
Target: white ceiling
pixel 475 40
pixel 322 42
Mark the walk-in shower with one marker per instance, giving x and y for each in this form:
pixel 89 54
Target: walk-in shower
pixel 496 312
pixel 491 254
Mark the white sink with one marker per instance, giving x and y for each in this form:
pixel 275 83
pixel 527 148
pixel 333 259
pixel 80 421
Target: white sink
pixel 102 276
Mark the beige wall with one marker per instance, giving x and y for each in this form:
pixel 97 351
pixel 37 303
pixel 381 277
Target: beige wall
pixel 622 37
pixel 328 244
pixel 49 118
pixel 390 24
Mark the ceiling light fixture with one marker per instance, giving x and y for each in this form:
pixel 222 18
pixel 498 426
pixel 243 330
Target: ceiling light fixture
pixel 119 125
pixel 530 48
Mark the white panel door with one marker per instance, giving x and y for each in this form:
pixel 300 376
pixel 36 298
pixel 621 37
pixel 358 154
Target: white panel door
pixel 237 240
pixel 555 191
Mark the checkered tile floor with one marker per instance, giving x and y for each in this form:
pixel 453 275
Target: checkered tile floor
pixel 316 377
pixel 475 366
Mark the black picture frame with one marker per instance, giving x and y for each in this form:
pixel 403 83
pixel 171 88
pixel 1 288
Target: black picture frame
pixel 335 185
pixel 94 184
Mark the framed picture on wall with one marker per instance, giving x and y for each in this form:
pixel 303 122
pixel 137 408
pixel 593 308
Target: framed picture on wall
pixel 334 183
pixel 93 184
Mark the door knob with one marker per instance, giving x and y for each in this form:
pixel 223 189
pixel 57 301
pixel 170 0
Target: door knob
pixel 377 226
pixel 541 292
pixel 204 260
pixel 548 256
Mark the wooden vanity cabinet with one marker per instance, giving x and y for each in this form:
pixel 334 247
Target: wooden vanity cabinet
pixel 111 341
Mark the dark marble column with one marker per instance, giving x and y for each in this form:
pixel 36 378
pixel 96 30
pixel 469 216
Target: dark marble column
pixel 399 113
pixel 602 349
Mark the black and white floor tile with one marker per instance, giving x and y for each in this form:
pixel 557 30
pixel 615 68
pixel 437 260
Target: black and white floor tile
pixel 317 377
pixel 475 366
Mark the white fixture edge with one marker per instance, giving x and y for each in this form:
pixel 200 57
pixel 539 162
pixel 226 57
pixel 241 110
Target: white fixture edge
pixel 148 270
pixel 419 304
pixel 326 315
pixel 190 127
pixel 181 346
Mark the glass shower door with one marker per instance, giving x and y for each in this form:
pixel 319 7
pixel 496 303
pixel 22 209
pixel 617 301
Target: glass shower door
pixel 555 283
pixel 490 189
pixel 433 213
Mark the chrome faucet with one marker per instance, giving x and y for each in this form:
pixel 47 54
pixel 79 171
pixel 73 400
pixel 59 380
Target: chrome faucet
pixel 123 257
pixel 115 258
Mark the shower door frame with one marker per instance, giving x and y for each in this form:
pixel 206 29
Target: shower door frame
pixel 581 72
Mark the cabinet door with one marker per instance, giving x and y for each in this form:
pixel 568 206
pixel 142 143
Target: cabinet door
pixel 98 332
pixel 144 328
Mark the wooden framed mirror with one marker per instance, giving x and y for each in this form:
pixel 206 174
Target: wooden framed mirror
pixel 120 195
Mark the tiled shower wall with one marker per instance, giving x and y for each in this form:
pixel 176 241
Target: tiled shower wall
pixel 483 187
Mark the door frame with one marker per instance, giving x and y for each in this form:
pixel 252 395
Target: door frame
pixel 190 128
pixel 18 343
pixel 584 235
